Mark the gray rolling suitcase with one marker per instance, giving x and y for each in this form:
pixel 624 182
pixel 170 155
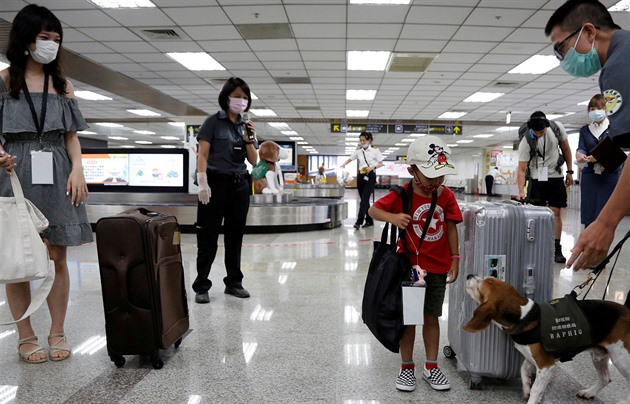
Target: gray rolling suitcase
pixel 514 243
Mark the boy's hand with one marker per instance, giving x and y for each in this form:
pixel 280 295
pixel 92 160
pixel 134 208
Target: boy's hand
pixel 453 273
pixel 400 220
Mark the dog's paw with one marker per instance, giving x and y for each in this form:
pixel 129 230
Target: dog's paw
pixel 586 393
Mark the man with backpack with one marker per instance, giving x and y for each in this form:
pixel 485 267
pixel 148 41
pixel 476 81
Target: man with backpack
pixel 540 162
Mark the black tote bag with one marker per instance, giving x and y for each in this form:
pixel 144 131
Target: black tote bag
pixel 382 296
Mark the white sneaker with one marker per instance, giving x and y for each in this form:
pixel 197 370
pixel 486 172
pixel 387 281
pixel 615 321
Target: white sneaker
pixel 436 379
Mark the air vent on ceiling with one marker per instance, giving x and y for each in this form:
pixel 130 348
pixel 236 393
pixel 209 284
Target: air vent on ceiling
pixel 265 31
pixel 307 108
pixel 506 84
pixel 292 80
pixel 161 34
pixel 410 62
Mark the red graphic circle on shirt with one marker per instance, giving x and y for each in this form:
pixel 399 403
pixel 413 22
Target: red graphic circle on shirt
pixel 436 226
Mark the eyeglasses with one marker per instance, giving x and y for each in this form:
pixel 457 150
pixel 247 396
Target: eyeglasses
pixel 557 48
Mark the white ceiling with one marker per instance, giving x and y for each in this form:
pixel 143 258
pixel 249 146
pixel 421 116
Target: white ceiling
pixel 478 42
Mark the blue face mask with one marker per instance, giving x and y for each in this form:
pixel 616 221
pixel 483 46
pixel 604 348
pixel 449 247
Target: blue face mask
pixel 581 65
pixel 597 115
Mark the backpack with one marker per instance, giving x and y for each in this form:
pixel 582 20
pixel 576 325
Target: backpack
pixel 533 145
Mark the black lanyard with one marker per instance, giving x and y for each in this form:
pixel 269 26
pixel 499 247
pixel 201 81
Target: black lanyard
pixel 42 116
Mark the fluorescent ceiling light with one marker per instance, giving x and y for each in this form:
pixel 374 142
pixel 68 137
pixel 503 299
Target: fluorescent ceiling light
pixel 381 2
pixel 195 61
pixel 117 138
pixel 143 142
pixel 484 135
pixel 128 146
pixel 254 97
pixel 143 112
pixel 452 145
pixel 401 144
pixel 555 116
pixel 288 132
pixel 394 148
pixel 302 142
pixel 177 123
pixel 110 124
pixel 89 95
pixel 506 128
pixel 537 64
pixel 417 134
pixel 87 132
pixel 144 132
pixel 509 147
pixel 452 115
pixel 463 141
pixel 263 112
pixel 357 113
pixel 360 95
pixel 296 138
pixel 407 140
pixel 169 137
pixel 279 125
pixel 122 3
pixel 623 5
pixel 368 60
pixel 353 139
pixel 168 146
pixel 584 103
pixel 483 97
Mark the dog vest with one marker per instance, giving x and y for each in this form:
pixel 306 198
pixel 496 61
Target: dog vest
pixel 561 327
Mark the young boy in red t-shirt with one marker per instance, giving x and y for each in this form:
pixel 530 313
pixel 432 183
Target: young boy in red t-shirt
pixel 428 164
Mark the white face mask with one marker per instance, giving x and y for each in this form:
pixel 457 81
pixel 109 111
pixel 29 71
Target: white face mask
pixel 238 105
pixel 45 51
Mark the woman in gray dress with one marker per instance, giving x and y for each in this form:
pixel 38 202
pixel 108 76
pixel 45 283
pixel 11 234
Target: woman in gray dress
pixel 39 117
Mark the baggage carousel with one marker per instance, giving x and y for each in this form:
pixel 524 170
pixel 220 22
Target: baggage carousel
pixel 267 213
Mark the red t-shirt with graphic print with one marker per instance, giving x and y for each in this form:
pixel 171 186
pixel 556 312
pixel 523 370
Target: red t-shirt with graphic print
pixel 436 253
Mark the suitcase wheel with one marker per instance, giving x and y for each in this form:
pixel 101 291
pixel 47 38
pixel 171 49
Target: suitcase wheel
pixel 157 363
pixel 475 386
pixel 448 352
pixel 118 360
pixel 178 343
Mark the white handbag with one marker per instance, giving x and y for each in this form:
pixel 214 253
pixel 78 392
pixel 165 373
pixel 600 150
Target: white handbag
pixel 23 254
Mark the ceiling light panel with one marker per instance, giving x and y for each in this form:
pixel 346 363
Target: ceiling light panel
pixel 122 3
pixel 537 64
pixel 143 112
pixel 89 95
pixel 196 61
pixel 483 97
pixel 452 115
pixel 368 60
pixel 360 95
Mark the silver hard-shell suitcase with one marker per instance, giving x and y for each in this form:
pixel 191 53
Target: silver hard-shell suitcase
pixel 512 242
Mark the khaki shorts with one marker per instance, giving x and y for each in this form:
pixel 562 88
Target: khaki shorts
pixel 434 296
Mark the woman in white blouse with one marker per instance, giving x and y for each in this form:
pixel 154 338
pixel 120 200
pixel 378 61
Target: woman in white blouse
pixel 368 160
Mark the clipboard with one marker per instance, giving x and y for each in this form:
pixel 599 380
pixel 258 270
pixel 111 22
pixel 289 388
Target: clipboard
pixel 608 154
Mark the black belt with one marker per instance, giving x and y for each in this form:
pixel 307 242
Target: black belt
pixel 234 177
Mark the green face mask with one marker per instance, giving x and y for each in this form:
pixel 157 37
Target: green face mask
pixel 581 65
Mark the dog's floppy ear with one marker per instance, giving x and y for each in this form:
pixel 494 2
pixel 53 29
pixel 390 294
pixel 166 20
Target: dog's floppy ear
pixel 481 319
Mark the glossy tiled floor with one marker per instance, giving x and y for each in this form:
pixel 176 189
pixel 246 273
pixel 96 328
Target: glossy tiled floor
pixel 298 339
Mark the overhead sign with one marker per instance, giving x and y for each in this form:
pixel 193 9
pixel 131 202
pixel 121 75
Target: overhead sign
pixel 397 128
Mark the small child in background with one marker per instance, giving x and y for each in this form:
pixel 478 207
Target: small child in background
pixel 438 256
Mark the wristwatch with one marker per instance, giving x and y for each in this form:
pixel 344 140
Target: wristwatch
pixel 570 171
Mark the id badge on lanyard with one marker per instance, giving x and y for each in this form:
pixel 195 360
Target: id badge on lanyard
pixel 41 161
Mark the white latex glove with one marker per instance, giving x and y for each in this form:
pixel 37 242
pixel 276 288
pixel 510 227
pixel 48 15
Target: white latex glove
pixel 204 188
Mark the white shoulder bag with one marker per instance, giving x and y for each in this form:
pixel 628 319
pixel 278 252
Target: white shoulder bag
pixel 23 253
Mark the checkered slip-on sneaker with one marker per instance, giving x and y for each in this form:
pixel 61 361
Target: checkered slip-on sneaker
pixel 406 380
pixel 436 379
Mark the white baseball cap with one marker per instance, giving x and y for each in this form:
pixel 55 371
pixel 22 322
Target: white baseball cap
pixel 431 155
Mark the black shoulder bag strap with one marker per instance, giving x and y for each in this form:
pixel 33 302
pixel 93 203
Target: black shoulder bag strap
pixel 406 205
pixel 39 125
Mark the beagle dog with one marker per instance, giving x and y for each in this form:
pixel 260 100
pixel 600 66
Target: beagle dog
pixel 502 304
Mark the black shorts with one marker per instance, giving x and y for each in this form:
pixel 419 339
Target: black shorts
pixel 551 193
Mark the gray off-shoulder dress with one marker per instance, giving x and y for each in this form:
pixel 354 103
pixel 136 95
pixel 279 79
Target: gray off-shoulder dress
pixel 69 224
